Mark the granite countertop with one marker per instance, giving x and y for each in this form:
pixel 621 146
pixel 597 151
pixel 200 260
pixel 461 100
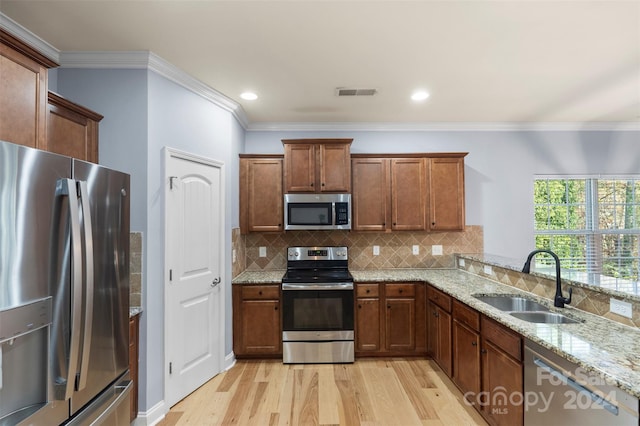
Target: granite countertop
pixel 134 310
pixel 606 348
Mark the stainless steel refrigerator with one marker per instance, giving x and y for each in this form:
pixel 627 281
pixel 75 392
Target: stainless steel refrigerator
pixel 64 290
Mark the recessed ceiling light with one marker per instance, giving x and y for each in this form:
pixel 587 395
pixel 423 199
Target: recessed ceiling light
pixel 249 96
pixel 419 95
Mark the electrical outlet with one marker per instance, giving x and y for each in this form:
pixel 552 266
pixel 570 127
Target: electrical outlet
pixel 436 250
pixel 233 256
pixel 262 251
pixel 621 308
pixel 416 249
pixel 461 263
pixel 488 269
pixel 376 250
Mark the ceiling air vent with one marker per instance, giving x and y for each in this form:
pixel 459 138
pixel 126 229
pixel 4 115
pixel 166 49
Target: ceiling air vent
pixel 345 91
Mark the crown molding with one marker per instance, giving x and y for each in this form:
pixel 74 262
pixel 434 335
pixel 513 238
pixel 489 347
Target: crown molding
pixel 445 127
pixel 151 61
pixel 26 36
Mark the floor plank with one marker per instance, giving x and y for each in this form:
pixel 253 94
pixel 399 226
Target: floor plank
pixel 369 392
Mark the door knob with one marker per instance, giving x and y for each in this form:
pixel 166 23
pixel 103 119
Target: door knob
pixel 215 282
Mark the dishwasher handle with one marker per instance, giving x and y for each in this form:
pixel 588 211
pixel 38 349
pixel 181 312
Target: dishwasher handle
pixel 613 409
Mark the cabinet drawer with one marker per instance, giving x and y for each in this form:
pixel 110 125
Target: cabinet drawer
pixel 400 290
pixel 439 298
pixel 502 337
pixel 260 292
pixel 465 315
pixel 367 290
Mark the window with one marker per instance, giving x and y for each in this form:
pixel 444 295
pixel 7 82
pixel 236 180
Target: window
pixel 593 225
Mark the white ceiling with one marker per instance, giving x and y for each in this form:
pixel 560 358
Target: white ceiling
pixel 514 61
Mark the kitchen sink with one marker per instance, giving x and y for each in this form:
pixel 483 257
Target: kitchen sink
pixel 512 303
pixel 544 317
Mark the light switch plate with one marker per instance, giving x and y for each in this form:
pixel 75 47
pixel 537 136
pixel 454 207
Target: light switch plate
pixel 376 250
pixel 436 250
pixel 233 256
pixel 488 269
pixel 262 251
pixel 621 308
pixel 416 249
pixel 461 263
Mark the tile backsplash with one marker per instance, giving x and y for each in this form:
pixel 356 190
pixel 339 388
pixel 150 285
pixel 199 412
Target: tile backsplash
pixel 395 248
pixel 135 269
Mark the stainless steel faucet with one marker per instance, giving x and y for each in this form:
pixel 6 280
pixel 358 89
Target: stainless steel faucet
pixel 559 300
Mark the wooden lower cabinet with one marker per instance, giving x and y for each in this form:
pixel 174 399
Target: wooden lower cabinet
pixel 502 375
pixel 257 324
pixel 439 328
pixel 134 333
pixel 482 357
pixel 466 349
pixel 390 319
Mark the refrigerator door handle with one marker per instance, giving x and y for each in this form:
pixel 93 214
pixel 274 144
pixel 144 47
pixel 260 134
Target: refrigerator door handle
pixel 68 188
pixel 88 285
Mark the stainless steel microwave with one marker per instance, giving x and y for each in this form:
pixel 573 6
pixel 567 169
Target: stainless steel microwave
pixel 317 211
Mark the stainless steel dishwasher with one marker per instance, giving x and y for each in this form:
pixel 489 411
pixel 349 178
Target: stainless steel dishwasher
pixel 559 392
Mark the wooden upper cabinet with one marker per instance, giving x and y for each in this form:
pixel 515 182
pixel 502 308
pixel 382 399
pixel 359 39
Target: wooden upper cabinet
pixel 261 197
pixel 446 194
pixel 317 165
pixel 23 93
pixel 408 195
pixel 72 129
pixel 389 194
pixel 371 196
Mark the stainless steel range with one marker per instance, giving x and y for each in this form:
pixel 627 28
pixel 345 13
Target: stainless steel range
pixel 317 308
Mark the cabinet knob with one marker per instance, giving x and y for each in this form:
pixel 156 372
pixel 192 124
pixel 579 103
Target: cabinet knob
pixel 322 183
pixel 433 223
pixel 388 306
pixel 483 351
pixel 275 308
pixel 394 224
pixel 400 291
pixel 474 343
pixel 311 183
pixel 435 314
pixel 260 292
pixel 368 291
pixel 359 306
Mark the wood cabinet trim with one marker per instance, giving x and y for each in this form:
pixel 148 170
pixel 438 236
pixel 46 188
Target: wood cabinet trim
pixel 259 156
pixel 317 141
pixel 466 315
pixel 25 49
pixel 56 100
pixel 502 337
pixel 414 155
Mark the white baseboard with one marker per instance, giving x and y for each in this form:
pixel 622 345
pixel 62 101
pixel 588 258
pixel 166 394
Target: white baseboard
pixel 153 416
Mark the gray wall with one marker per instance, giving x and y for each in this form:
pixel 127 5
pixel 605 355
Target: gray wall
pixel 499 169
pixel 144 113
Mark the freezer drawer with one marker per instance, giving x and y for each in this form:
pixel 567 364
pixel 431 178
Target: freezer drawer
pixel 110 408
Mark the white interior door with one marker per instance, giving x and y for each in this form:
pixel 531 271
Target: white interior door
pixel 194 283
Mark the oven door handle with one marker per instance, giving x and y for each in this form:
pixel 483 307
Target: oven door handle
pixel 317 286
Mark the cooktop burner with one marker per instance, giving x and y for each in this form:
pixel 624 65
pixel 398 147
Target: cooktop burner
pixel 317 264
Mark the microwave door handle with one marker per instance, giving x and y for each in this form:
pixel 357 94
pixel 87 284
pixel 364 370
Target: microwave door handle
pixel 89 285
pixel 67 187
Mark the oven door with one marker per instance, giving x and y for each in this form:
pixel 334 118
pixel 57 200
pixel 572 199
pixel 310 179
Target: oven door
pixel 317 311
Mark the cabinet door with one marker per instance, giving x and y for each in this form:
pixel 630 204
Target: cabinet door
pixel 439 336
pixel 408 184
pixel 23 103
pixel 501 379
pixel 300 167
pixel 335 167
pixel 370 194
pixel 400 324
pixel 368 324
pixel 446 194
pixel 261 330
pixel 72 130
pixel 466 358
pixel 261 197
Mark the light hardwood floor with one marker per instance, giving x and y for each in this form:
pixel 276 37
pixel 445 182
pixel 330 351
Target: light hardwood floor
pixel 371 391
